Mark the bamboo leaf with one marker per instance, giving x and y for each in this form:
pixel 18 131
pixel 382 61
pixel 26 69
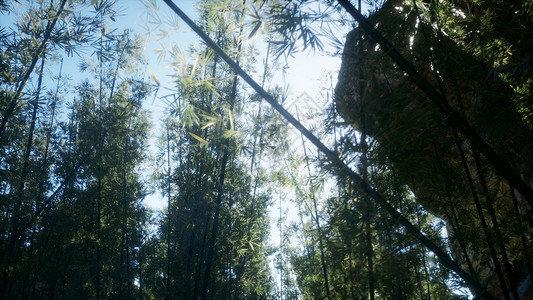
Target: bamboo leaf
pixel 201 140
pixel 154 77
pixel 209 124
pixel 209 117
pixel 189 116
pixel 251 245
pixel 231 134
pixel 256 28
pixel 194 66
pixel 231 120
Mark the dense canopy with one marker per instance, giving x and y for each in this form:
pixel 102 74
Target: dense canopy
pixel 413 179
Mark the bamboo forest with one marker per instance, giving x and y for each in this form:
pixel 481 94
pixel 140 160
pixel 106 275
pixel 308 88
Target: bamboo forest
pixel 253 149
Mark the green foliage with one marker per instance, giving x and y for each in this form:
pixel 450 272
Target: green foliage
pixel 207 185
pixel 75 199
pixel 464 49
pixel 73 223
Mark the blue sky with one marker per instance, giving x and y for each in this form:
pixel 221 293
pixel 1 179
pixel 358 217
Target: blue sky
pixel 306 75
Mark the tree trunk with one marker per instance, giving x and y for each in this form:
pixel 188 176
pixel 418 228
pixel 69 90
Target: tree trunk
pixel 484 226
pixel 169 219
pixel 29 143
pixel 369 251
pixel 198 274
pixel 98 236
pixel 14 238
pixel 214 229
pixel 496 226
pixel 454 221
pixel 316 218
pixel 523 237
pixel 25 172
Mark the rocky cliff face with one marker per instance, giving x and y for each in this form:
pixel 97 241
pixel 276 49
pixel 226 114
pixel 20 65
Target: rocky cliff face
pixel 432 158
